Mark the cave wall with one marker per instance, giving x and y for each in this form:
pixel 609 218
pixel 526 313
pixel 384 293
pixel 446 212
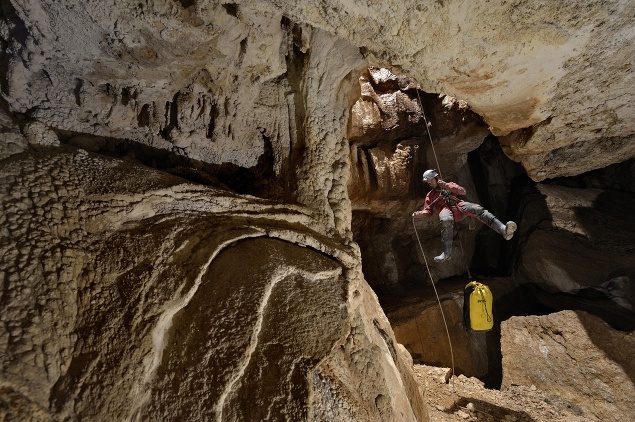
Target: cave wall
pixel 576 359
pixel 229 83
pixel 126 295
pixel 396 133
pixel 268 88
pixel 213 80
pixel 562 70
pixel 222 84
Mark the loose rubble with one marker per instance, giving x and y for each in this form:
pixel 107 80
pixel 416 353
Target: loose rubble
pixel 466 399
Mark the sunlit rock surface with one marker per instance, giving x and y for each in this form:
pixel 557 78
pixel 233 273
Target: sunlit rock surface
pixel 129 293
pixel 575 357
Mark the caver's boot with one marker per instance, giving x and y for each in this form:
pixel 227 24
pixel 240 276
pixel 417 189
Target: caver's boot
pixel 446 240
pixel 510 228
pixel 505 230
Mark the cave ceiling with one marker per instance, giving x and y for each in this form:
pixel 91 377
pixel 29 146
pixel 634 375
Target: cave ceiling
pixel 211 80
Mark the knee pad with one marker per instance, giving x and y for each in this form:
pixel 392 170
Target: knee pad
pixel 447 224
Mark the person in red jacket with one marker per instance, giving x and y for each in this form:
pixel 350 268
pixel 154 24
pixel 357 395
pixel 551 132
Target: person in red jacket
pixel 444 198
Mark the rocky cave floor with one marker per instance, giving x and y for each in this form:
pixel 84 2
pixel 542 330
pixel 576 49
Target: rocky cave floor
pixel 467 399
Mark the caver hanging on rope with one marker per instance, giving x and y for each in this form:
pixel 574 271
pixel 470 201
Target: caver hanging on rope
pixel 449 196
pixel 477 307
pixel 444 197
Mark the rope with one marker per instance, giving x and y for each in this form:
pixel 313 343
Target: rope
pixel 445 323
pixel 447 331
pixel 438 299
pixel 467 267
pixel 425 120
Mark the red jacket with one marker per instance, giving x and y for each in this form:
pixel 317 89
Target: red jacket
pixel 434 201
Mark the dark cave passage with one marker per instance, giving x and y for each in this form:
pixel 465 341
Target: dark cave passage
pixel 385 190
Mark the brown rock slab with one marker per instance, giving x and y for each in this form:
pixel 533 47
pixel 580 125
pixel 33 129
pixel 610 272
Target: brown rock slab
pixel 575 357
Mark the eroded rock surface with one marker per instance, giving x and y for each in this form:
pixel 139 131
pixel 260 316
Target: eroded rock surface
pixel 130 293
pixel 390 149
pixel 217 82
pixel 562 71
pixel 580 242
pixel 576 357
pixel 420 325
pixel 264 88
pixel 238 86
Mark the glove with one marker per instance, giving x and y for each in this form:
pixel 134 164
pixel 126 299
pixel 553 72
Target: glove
pixel 444 185
pixel 420 213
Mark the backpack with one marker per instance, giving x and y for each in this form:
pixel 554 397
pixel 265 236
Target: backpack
pixel 477 307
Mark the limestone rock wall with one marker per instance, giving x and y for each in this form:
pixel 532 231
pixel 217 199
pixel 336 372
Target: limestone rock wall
pixel 577 245
pixel 219 82
pixel 562 70
pixel 391 127
pixel 95 249
pixel 575 358
pixel 126 295
pixel 224 84
pixel 419 325
pixel 568 236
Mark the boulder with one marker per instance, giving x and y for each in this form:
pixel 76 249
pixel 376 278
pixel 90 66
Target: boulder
pixel 574 357
pixel 420 325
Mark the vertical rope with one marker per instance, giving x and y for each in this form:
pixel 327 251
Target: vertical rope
pixel 467 267
pixel 447 331
pixel 425 120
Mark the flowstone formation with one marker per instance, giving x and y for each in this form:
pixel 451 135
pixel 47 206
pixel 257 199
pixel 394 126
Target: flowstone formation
pixel 262 101
pixel 241 91
pixel 130 293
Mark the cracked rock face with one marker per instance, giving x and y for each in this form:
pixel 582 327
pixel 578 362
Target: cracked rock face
pixel 130 293
pixel 574 357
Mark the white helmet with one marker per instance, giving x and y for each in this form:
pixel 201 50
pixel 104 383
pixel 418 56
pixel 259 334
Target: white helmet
pixel 429 175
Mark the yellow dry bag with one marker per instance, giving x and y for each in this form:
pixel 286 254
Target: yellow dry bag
pixel 477 307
